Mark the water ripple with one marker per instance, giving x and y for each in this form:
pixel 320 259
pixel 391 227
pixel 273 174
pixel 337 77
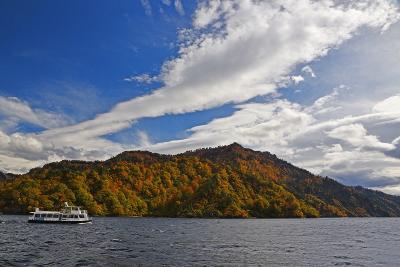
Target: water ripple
pixel 199 242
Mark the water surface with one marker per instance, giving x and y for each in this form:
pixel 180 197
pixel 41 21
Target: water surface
pixel 202 242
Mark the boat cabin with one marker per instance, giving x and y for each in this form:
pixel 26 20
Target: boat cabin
pixel 69 214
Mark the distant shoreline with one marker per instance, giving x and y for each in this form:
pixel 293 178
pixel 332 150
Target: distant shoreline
pixel 212 218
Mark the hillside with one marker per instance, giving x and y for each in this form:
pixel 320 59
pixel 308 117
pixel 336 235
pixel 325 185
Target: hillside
pixel 2 176
pixel 228 181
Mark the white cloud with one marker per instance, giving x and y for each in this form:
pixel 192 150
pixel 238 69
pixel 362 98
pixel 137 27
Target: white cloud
pixel 307 69
pixel 396 141
pixel 142 78
pixel 297 79
pixel 356 135
pixel 338 147
pixel 14 110
pixel 20 145
pixel 390 189
pixel 391 104
pixel 25 143
pixel 328 104
pixel 20 152
pixel 179 7
pixel 258 45
pixel 147 7
pixel 263 126
pixel 144 140
pixel 18 164
pixel 4 140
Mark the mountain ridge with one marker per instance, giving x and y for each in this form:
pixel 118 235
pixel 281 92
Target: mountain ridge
pixel 226 181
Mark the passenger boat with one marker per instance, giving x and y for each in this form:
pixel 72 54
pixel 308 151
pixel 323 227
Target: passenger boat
pixel 69 214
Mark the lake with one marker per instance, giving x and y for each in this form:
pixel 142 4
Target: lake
pixel 202 242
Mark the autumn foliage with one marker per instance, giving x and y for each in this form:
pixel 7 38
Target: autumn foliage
pixel 228 181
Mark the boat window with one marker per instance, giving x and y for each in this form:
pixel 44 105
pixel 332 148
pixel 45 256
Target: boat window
pixel 64 216
pixel 37 215
pixel 43 215
pixel 55 215
pixel 76 216
pixel 71 216
pixel 81 216
pixel 49 215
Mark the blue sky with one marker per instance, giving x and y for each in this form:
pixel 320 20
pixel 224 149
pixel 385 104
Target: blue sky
pixel 53 51
pixel 314 82
pixel 68 58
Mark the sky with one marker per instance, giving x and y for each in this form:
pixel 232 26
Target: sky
pixel 315 82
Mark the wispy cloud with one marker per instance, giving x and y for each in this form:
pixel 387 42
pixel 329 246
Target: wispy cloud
pixel 71 98
pixel 177 4
pixel 142 78
pixel 179 7
pixel 357 136
pixel 258 45
pixel 144 140
pixel 391 104
pixel 15 110
pixel 307 69
pixel 147 7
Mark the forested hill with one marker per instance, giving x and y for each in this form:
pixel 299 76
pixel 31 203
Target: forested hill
pixel 4 176
pixel 228 181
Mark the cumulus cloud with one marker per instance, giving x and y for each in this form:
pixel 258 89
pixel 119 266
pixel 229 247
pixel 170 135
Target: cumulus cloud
pixel 20 145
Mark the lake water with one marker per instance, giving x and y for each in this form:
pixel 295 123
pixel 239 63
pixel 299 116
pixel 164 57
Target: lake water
pixel 202 242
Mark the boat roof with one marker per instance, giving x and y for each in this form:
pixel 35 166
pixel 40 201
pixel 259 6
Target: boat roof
pixel 68 206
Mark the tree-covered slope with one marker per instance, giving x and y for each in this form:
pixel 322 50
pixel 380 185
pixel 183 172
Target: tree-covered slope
pixel 2 176
pixel 228 181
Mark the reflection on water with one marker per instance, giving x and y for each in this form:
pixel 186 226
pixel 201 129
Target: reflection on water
pixel 202 242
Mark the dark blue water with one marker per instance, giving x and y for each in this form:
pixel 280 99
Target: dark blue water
pixel 202 242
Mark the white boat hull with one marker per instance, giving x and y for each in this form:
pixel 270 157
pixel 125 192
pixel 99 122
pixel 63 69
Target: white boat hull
pixel 68 215
pixel 60 221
